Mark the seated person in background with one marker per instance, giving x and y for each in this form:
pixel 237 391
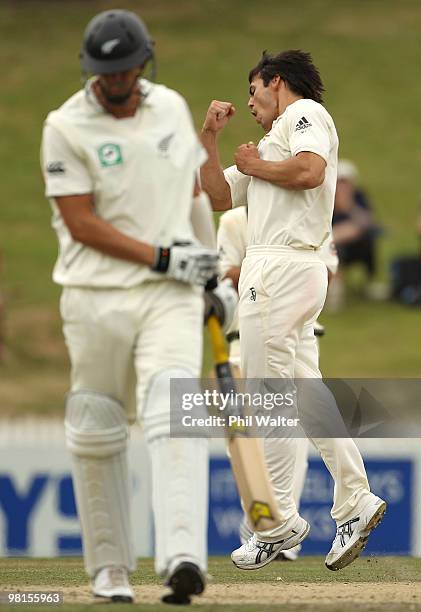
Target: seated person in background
pixel 354 230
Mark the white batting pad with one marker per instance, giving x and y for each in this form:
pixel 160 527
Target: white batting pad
pixel 96 434
pixel 179 483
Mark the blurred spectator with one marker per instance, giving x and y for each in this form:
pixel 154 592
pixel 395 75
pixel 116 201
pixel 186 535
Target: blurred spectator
pixel 354 228
pixel 354 232
pixel 405 273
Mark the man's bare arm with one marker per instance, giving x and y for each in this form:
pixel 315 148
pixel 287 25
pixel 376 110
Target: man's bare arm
pixel 234 274
pixel 89 229
pixel 211 174
pixel 303 171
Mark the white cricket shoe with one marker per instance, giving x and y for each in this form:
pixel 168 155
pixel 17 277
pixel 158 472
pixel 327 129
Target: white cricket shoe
pixel 351 536
pixel 112 583
pixel 284 555
pixel 257 553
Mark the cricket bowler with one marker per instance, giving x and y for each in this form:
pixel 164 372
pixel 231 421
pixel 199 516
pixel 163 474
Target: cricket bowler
pixel 288 181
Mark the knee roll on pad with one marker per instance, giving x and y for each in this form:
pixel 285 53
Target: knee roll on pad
pixel 95 424
pixel 96 434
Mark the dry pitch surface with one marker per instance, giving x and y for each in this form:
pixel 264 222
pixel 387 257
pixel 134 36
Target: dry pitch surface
pixel 382 583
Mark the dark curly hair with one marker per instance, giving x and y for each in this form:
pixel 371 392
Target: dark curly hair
pixel 296 68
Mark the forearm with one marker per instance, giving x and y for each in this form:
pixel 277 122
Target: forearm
pixel 102 236
pixel 212 176
pixel 294 173
pixel 234 274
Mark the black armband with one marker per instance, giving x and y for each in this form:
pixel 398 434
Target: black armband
pixel 162 260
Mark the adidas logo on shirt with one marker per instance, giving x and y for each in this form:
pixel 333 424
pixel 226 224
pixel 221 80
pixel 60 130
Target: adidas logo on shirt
pixel 303 124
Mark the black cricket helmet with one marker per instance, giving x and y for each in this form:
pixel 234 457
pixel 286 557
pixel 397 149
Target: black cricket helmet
pixel 115 41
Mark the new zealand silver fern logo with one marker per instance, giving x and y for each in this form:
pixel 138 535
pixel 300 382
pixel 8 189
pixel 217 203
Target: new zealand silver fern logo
pixel 164 144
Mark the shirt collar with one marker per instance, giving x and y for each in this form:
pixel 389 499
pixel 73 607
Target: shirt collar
pixel 146 99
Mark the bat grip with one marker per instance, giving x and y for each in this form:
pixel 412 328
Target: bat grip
pixel 217 340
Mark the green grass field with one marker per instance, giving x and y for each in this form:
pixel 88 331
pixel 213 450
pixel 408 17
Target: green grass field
pixel 392 583
pixel 369 54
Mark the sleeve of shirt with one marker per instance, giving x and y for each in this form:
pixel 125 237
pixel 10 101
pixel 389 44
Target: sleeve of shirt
pixel 231 241
pixel 238 183
pixel 64 172
pixel 188 127
pixel 309 131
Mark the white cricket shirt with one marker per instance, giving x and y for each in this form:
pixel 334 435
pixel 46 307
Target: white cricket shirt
pixel 277 216
pixel 140 170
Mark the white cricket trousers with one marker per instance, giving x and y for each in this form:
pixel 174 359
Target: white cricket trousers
pixel 120 342
pixel 282 292
pixel 118 339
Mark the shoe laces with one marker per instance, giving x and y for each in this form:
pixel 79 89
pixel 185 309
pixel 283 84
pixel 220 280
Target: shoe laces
pixel 117 576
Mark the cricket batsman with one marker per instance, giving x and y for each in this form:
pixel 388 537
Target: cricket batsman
pixel 119 160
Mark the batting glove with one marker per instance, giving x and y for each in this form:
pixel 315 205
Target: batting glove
pixel 222 302
pixel 188 264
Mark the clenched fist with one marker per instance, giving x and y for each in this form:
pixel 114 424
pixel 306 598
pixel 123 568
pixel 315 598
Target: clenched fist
pixel 218 115
pixel 245 155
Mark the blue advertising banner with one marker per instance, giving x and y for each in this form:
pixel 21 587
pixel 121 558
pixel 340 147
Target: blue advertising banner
pixel 38 514
pixel 391 479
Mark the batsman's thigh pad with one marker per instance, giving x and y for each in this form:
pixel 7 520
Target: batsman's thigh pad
pixel 162 407
pixel 96 435
pixel 180 480
pixel 99 328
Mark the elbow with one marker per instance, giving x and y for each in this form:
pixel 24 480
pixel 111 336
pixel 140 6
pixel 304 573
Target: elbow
pixel 221 205
pixel 310 179
pixel 79 231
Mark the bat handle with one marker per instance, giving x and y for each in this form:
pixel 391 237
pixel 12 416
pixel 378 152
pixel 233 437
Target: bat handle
pixel 217 340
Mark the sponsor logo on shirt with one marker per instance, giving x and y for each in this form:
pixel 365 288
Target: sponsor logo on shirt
pixel 303 124
pixel 56 168
pixel 253 294
pixel 110 155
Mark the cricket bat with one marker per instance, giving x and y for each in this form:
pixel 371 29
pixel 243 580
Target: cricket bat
pixel 246 453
